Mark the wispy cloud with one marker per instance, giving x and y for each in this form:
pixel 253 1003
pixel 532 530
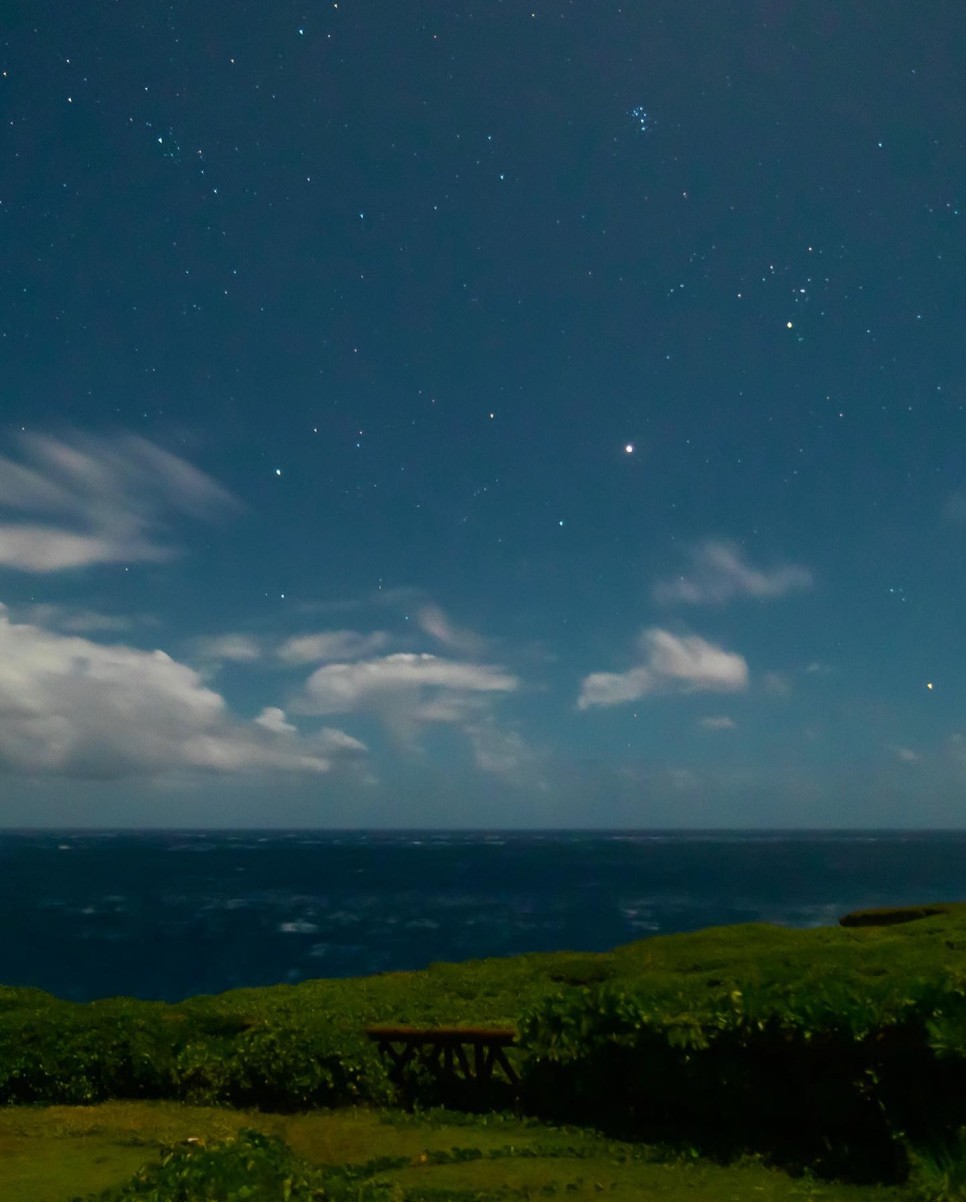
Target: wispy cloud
pixel 906 755
pixel 719 573
pixel 328 645
pixel 234 648
pixel 504 753
pixel 434 622
pixel 75 619
pixel 408 692
pixel 96 500
pixel 816 668
pixel 672 664
pixel 76 708
pixel 344 687
pixel 717 723
pixel 776 684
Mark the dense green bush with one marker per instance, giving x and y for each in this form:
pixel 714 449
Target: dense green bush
pixel 76 1055
pixel 61 1054
pixel 303 1066
pixel 839 1077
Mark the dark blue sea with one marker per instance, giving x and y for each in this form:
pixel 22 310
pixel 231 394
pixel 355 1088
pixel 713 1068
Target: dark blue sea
pixel 174 913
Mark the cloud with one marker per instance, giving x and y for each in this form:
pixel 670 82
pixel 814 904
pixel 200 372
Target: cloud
pixel 96 501
pixel 816 668
pixel 434 622
pixel 236 648
pixel 906 755
pixel 776 684
pixel 77 621
pixel 272 718
pixel 720 723
pixel 501 752
pixel 344 687
pixel 409 692
pixel 672 664
pixel 331 645
pixel 505 754
pixel 719 573
pixel 72 707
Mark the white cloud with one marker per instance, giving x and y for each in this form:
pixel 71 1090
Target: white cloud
pixel 907 755
pixel 96 501
pixel 331 645
pixel 272 718
pixel 343 687
pixel 816 668
pixel 236 648
pixel 719 573
pixel 77 621
pixel 434 622
pixel 408 692
pixel 719 723
pixel 337 741
pixel 672 664
pixel 501 752
pixel 72 707
pixel 614 688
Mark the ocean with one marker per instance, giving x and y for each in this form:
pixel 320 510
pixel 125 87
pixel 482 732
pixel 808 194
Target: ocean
pixel 168 914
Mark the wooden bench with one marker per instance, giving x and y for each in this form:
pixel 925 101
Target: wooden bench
pixel 473 1053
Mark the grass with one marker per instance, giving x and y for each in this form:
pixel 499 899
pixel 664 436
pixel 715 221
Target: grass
pixel 57 1153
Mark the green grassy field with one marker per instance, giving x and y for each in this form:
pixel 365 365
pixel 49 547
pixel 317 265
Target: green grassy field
pixel 305 1043
pixel 58 1153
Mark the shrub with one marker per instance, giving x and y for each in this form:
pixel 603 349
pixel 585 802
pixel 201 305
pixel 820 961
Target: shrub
pixel 64 1056
pixel 303 1066
pixel 249 1166
pixel 938 1170
pixel 833 1076
pixel 80 1055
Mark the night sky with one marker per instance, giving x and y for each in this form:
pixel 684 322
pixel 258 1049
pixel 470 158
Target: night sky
pixel 483 413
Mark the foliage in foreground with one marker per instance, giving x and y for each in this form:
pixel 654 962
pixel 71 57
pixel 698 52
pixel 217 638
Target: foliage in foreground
pixel 938 1170
pixel 841 1078
pixel 832 1048
pixel 67 1054
pixel 251 1166
pixel 428 1157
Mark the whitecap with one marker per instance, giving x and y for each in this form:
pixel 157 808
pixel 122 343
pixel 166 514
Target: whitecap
pixel 298 927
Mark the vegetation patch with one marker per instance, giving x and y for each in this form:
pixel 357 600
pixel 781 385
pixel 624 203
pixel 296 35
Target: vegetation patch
pixel 837 1051
pixel 196 1155
pixel 884 916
